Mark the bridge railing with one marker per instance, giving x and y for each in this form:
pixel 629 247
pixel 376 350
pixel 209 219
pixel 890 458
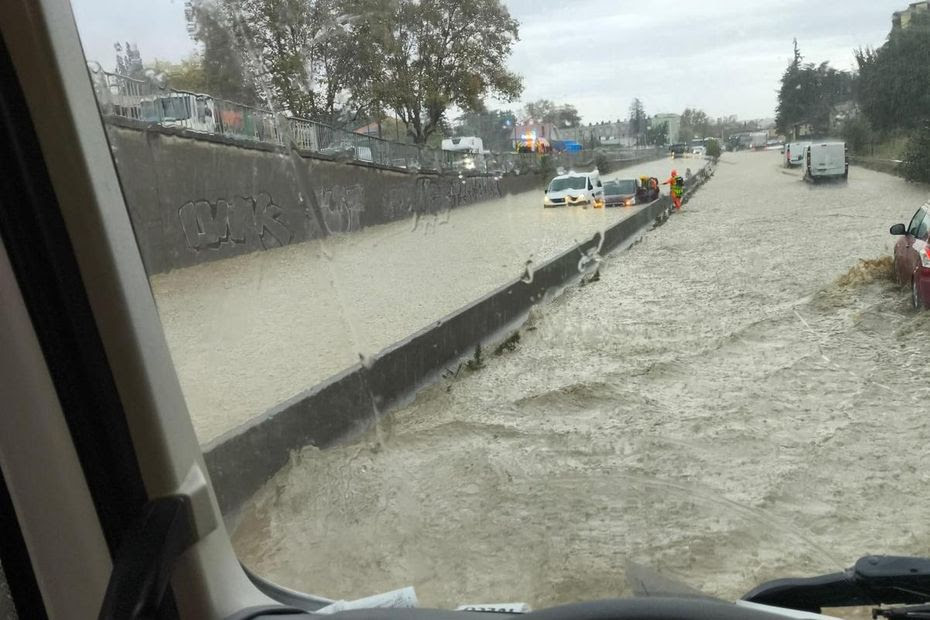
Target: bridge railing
pixel 146 101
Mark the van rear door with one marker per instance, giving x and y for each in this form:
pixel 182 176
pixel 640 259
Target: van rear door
pixel 829 159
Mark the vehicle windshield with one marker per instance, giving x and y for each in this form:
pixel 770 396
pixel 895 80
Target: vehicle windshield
pixel 408 366
pixel 626 186
pixel 559 185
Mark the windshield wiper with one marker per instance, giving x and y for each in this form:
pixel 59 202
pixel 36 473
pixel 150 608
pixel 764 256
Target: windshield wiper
pixel 874 580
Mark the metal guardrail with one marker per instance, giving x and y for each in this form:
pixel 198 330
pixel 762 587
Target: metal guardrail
pixel 147 101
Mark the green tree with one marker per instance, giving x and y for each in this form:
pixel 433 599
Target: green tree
pixel 657 134
pixel 544 111
pixel 306 53
pixel 430 55
pixel 893 88
pixel 213 25
pixel 790 111
pixel 713 149
pixel 638 121
pixel 694 124
pixel 808 95
pixel 916 164
pixel 494 127
pixel 128 60
pixel 565 116
pixel 859 135
pixel 186 75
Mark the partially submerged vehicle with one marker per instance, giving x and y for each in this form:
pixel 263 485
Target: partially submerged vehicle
pixel 826 161
pixel 575 189
pixel 620 192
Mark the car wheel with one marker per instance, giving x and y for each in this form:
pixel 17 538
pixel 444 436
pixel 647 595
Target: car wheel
pixel 915 296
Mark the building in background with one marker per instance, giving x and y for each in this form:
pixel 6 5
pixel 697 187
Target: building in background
pixel 674 125
pixel 603 134
pixel 901 19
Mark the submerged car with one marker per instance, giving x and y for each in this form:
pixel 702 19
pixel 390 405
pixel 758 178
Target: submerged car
pixel 575 189
pixel 912 257
pixel 620 192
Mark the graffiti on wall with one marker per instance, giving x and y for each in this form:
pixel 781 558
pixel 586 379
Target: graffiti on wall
pixel 342 207
pixel 244 219
pixel 438 195
pixel 258 221
pixel 474 189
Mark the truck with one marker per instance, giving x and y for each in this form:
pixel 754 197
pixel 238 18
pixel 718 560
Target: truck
pixel 758 140
pixel 826 160
pixel 467 144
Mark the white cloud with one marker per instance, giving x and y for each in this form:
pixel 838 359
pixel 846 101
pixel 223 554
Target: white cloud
pixel 157 27
pixel 725 56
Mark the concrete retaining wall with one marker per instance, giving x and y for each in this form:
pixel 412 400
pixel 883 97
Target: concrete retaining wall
pixel 241 461
pixel 195 198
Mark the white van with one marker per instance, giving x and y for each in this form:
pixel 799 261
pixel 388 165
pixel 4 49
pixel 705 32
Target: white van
pixel 468 144
pixel 794 153
pixel 575 189
pixel 826 160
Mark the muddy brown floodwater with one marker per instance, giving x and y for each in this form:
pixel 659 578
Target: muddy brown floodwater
pixel 250 332
pixel 738 398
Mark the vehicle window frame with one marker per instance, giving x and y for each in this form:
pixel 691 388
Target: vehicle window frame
pixel 924 227
pixel 44 45
pixel 916 221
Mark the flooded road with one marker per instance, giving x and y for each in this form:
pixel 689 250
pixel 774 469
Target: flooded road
pixel 738 398
pixel 250 332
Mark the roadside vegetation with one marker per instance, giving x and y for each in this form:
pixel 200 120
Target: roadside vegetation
pixel 882 109
pixel 419 59
pixel 427 70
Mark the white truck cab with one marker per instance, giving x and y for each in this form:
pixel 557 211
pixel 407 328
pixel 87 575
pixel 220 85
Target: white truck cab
pixel 468 144
pixel 826 160
pixel 575 189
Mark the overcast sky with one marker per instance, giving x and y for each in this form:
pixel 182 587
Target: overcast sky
pixel 723 56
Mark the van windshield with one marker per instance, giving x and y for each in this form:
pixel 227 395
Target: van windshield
pixel 564 183
pixel 626 186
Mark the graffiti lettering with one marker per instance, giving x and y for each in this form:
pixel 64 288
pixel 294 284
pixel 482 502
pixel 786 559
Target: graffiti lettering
pixel 342 207
pixel 208 225
pixel 398 203
pixel 438 195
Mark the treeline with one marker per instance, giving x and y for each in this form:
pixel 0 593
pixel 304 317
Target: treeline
pixel 882 108
pixel 348 61
pixel 693 123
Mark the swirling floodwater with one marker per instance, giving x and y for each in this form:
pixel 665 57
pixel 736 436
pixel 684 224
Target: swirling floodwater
pixel 741 396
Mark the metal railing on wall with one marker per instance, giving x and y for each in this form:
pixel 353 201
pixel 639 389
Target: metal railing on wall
pixel 147 101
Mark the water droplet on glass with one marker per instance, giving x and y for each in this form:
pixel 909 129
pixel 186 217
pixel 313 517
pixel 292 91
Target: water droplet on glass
pixel 528 272
pixel 94 67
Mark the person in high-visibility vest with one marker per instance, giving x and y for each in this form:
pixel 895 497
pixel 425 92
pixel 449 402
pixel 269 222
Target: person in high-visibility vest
pixel 676 188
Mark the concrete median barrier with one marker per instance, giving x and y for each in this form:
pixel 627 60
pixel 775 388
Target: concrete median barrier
pixel 242 460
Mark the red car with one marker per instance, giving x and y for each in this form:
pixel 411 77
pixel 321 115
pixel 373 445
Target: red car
pixel 912 256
